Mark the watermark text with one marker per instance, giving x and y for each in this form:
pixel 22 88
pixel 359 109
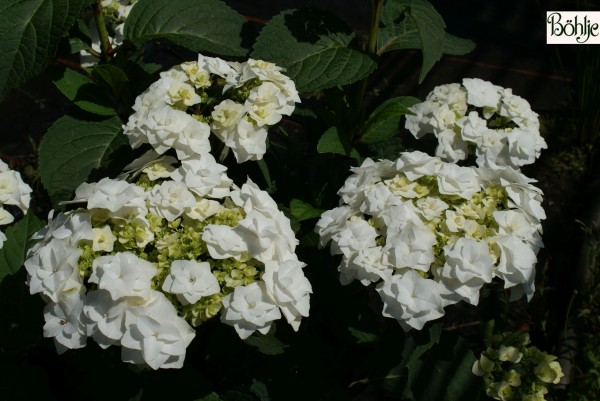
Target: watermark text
pixel 573 27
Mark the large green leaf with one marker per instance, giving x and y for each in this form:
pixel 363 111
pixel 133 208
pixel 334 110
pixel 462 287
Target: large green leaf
pixel 313 46
pixel 383 123
pixel 415 24
pixel 73 149
pixel 206 25
pixel 12 254
pixel 30 32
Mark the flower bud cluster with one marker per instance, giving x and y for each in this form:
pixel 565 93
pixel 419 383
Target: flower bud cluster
pixel 237 102
pixel 478 116
pixel 115 13
pixel 432 233
pixel 514 371
pixel 143 261
pixel 13 191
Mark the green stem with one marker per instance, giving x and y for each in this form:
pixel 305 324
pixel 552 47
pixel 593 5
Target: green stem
pixel 376 6
pixel 265 172
pixel 105 47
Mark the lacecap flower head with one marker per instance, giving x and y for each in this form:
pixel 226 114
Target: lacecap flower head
pixel 13 191
pixel 169 245
pixel 480 117
pixel 236 102
pixel 431 233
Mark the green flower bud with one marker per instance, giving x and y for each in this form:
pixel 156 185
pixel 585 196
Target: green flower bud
pixel 548 372
pixel 509 354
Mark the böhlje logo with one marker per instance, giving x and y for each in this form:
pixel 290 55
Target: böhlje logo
pixel 573 27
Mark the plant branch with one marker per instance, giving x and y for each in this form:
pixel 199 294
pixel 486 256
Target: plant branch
pixel 376 6
pixel 105 47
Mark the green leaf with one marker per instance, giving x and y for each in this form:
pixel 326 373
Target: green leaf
pixel 113 77
pixel 267 344
pixel 207 25
pixel 82 91
pixel 430 26
pixel 304 211
pixel 12 254
pixel 330 142
pixel 383 122
pixel 73 149
pixel 444 373
pixel 428 339
pixel 210 397
pixel 405 35
pixel 259 389
pixel 313 46
pixel 415 24
pixel 387 149
pixel 362 337
pixel 30 32
pixel 457 46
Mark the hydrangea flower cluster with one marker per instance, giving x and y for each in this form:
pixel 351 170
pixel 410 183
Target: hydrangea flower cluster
pixel 432 233
pixel 13 191
pixel 115 13
pixel 143 261
pixel 237 102
pixel 480 117
pixel 514 371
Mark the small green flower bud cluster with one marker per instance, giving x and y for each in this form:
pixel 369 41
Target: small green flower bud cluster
pixel 514 371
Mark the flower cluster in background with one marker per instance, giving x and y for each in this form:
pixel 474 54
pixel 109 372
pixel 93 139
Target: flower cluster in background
pixel 514 371
pixel 237 102
pixel 173 241
pixel 115 13
pixel 480 117
pixel 13 191
pixel 432 233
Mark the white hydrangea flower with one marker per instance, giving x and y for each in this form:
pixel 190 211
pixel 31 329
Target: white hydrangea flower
pixel 367 265
pixel 468 267
pixel 170 199
pixel 13 191
pixel 191 280
pixel 202 209
pixel 204 176
pixel 501 126
pixel 288 287
pixel 411 246
pixel 112 195
pixel 254 96
pixel 333 221
pixel 482 93
pixel 450 226
pixel 225 242
pixel 52 269
pixel 411 299
pixel 176 225
pixel 155 335
pixel 249 308
pixel 64 323
pixel 517 263
pixel 105 317
pixel 456 180
pixel 104 239
pixel 123 275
